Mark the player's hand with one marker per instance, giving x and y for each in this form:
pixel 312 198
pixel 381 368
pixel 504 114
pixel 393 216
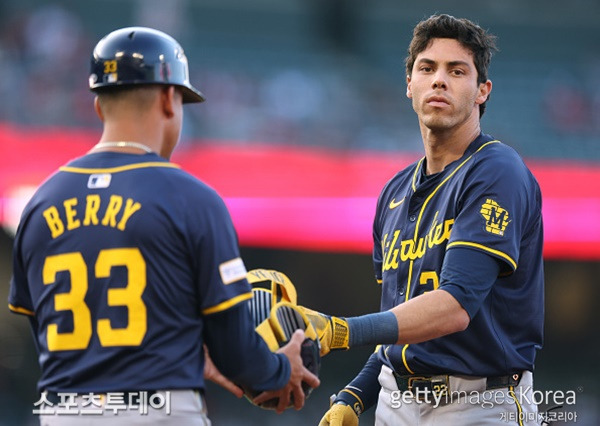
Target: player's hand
pixel 212 373
pixel 339 415
pixel 333 332
pixel 299 373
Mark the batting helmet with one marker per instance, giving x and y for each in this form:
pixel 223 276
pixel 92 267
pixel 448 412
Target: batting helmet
pixel 137 55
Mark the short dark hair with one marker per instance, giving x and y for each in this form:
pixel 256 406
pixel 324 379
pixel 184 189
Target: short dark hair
pixel 138 96
pixel 481 43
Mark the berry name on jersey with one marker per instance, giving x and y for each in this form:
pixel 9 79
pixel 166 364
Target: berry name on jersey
pixel 94 210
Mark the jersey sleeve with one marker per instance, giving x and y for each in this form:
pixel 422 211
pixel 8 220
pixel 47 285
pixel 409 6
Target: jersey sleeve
pixel 499 197
pixel 19 296
pixel 365 387
pixel 468 275
pixel 229 334
pixel 377 248
pixel 221 273
pixel 378 230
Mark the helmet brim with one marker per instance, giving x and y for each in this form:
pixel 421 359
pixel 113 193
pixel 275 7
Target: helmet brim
pixel 191 95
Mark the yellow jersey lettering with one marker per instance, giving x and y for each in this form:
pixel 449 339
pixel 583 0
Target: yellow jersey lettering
pixel 391 258
pixel 70 213
pixel 409 250
pixel 110 216
pixel 116 214
pixel 437 236
pixel 92 206
pixel 55 225
pixel 130 208
pixel 447 229
pixel 433 228
pixel 430 277
pixel 430 238
pixel 420 249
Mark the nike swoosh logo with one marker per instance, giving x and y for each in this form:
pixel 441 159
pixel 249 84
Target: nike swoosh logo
pixel 394 204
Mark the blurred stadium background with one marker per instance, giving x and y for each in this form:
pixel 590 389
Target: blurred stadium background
pixel 306 119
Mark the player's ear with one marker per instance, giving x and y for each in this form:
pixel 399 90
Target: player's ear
pixel 167 100
pixel 408 88
pixel 484 92
pixel 98 109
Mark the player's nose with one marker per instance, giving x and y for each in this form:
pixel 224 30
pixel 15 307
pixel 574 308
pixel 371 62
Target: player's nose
pixel 439 80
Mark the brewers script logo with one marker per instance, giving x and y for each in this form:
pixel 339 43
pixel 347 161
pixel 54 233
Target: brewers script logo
pixel 396 250
pixel 496 218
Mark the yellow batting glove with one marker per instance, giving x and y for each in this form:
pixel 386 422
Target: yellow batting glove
pixel 333 332
pixel 339 415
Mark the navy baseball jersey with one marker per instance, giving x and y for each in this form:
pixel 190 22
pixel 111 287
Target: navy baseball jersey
pixel 486 201
pixel 118 258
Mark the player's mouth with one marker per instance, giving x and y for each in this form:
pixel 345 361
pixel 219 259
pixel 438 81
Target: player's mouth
pixel 437 101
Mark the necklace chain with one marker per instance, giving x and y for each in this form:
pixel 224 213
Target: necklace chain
pixel 123 144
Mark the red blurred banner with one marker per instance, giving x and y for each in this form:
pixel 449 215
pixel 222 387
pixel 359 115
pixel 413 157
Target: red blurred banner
pixel 303 198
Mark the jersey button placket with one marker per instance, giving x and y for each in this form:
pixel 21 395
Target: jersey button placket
pixel 414 206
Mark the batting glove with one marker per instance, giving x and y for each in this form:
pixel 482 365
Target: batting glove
pixel 333 332
pixel 343 412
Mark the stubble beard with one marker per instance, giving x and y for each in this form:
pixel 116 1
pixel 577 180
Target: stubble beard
pixel 442 121
pixel 437 121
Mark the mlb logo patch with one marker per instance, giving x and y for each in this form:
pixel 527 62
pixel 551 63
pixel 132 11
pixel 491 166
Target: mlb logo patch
pixel 99 181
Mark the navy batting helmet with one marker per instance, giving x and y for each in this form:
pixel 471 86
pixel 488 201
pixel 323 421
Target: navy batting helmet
pixel 138 55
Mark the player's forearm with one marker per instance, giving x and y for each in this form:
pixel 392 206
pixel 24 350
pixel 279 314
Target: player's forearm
pixel 240 354
pixel 364 388
pixel 466 279
pixel 425 317
pixel 428 316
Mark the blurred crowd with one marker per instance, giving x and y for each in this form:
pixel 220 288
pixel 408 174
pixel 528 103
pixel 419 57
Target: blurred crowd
pixel 40 55
pixel 344 102
pixel 43 62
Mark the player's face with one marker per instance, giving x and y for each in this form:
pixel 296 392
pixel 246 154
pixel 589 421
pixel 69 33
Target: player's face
pixel 443 86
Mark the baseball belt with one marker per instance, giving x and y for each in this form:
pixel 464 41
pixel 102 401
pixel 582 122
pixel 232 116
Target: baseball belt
pixel 439 385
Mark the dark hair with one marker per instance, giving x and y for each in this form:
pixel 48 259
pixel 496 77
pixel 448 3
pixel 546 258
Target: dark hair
pixel 481 43
pixel 139 96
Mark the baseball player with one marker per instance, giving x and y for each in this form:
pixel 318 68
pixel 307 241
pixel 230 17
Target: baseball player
pixel 458 253
pixel 126 265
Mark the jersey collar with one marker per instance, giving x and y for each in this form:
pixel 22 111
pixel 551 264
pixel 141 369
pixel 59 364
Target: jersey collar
pixel 477 143
pixel 419 177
